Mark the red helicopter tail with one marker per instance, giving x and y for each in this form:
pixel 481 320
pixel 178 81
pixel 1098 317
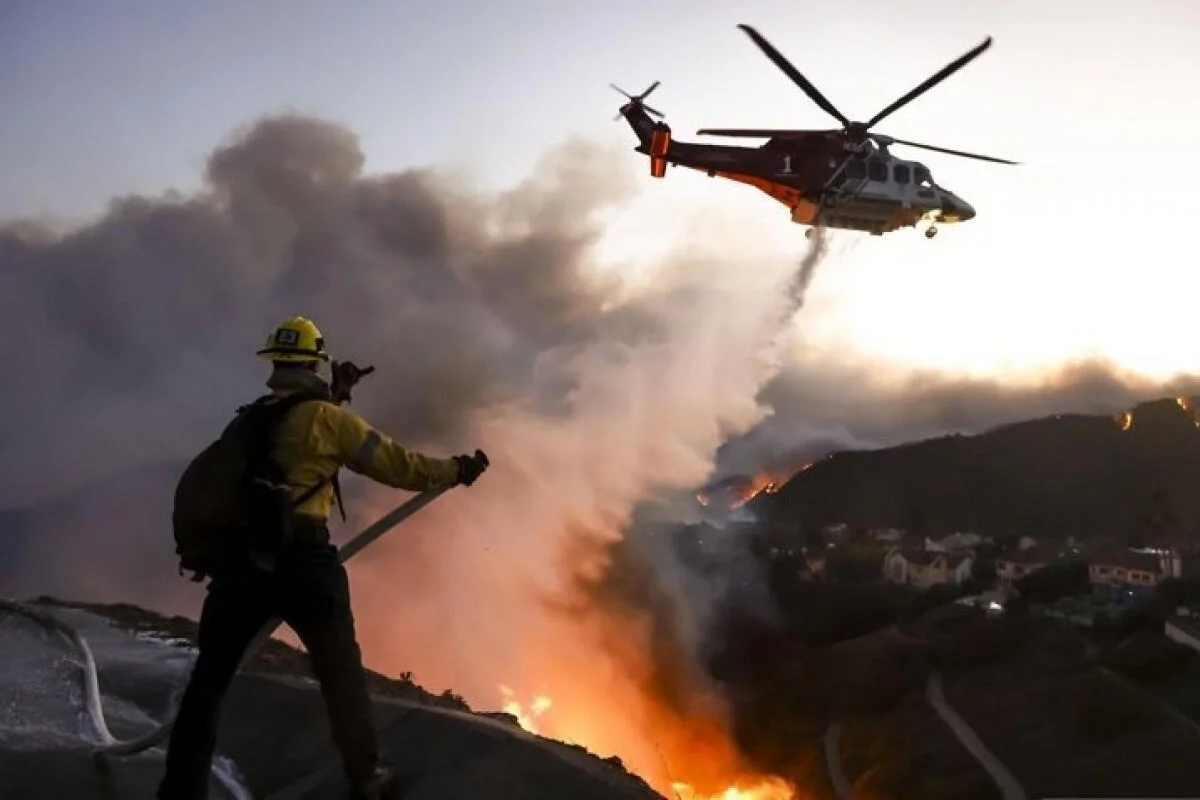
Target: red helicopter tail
pixel 654 137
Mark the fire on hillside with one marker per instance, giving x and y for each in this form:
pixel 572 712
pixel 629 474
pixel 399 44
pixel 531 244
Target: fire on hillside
pixel 733 493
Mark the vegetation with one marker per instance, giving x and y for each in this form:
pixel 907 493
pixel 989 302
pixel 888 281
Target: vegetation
pixel 1054 582
pixel 1065 475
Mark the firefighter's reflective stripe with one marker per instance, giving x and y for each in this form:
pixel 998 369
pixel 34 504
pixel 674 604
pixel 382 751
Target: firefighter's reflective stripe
pixel 366 451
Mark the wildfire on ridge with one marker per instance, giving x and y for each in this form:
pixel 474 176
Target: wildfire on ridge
pixel 763 482
pixel 768 481
pixel 739 788
pixel 1190 408
pixel 1124 419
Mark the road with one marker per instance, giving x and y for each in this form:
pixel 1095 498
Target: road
pixel 1010 787
pixel 833 762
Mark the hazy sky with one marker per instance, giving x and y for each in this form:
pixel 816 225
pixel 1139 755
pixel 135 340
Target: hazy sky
pixel 1084 249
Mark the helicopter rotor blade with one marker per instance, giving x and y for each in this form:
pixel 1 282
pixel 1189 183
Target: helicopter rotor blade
pixel 622 91
pixel 786 66
pixel 933 80
pixel 947 150
pixel 749 133
pixel 638 99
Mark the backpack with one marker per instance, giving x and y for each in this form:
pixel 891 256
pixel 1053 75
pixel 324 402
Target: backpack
pixel 233 500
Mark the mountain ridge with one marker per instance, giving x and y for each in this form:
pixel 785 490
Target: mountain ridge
pixel 1124 476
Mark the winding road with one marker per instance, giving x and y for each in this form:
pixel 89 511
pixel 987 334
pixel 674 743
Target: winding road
pixel 1010 787
pixel 833 762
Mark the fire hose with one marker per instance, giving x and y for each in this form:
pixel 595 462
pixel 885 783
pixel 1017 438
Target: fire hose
pixel 108 743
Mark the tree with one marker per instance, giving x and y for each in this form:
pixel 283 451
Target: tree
pixel 1055 581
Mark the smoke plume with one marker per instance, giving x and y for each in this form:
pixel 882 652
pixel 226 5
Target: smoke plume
pixel 490 326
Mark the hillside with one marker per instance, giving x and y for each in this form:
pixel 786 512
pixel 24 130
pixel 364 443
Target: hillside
pixel 1088 476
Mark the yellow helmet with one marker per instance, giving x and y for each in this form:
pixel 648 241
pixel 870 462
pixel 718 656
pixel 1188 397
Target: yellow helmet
pixel 297 339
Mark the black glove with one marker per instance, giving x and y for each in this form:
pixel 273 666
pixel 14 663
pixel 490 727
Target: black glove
pixel 471 467
pixel 345 375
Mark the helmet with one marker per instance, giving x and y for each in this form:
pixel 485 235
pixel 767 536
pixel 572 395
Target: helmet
pixel 297 339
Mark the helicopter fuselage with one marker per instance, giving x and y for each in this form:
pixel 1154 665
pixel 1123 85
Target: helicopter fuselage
pixel 822 177
pixel 842 178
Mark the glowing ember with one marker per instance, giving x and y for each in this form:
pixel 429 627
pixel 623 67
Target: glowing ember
pixel 1124 420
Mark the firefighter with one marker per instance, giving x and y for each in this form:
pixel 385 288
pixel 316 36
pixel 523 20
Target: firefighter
pixel 306 585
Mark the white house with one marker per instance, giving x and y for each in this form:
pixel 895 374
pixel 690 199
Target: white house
pixel 1015 565
pixel 954 543
pixel 886 535
pixel 924 569
pixel 1133 569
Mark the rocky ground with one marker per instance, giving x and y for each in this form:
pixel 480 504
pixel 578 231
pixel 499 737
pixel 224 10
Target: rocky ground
pixel 273 726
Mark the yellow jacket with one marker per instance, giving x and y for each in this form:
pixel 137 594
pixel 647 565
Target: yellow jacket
pixel 317 437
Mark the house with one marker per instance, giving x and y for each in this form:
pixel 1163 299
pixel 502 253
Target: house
pixel 835 531
pixel 923 569
pixel 886 535
pixel 815 564
pixel 954 543
pixel 1131 570
pixel 1013 566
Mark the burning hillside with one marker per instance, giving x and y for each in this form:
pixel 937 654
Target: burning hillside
pixel 1125 419
pixel 705 754
pixel 735 492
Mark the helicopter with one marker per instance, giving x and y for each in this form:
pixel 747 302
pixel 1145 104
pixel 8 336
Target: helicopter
pixel 838 178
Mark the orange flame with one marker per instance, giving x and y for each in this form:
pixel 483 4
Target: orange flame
pixel 1189 407
pixel 1124 419
pixel 768 482
pixel 744 788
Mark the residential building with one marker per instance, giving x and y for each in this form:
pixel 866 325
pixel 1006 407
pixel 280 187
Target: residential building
pixel 815 564
pixel 954 543
pixel 886 535
pixel 1119 571
pixel 1013 566
pixel 924 569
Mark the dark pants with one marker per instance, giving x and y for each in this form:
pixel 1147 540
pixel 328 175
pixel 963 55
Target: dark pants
pixel 310 592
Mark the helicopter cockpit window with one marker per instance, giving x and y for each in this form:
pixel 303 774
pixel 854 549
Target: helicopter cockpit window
pixel 901 173
pixel 856 170
pixel 877 171
pixel 924 179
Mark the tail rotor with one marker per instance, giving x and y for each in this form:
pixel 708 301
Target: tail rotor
pixel 638 100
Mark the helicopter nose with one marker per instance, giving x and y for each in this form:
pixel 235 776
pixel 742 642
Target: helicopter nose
pixel 955 209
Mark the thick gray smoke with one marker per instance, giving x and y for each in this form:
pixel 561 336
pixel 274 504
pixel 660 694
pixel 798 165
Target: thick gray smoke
pixel 489 326
pixel 820 403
